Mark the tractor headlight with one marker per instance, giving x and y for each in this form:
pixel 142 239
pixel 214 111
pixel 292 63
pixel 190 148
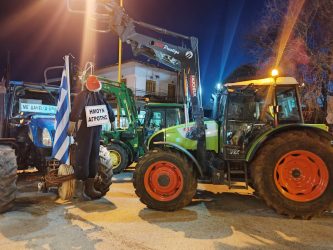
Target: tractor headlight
pixel 46 138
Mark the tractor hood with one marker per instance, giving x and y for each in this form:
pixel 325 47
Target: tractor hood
pixel 42 130
pixel 184 136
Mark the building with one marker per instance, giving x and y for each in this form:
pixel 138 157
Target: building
pixel 145 80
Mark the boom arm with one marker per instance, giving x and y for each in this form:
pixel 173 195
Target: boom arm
pixel 125 99
pixel 182 59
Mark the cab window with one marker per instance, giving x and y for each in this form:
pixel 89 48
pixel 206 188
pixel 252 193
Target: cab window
pixel 222 104
pixel 155 121
pixel 34 101
pixel 174 117
pixel 288 106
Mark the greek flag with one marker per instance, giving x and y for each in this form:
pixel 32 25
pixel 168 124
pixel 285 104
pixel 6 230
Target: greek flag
pixel 61 140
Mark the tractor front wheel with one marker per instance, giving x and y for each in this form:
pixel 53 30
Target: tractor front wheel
pixel 8 176
pixel 293 173
pixel 119 157
pixel 165 180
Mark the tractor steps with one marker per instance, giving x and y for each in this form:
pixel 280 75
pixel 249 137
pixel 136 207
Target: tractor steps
pixel 235 175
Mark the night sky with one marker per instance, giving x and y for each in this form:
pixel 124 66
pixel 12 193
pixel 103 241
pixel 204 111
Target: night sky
pixel 38 33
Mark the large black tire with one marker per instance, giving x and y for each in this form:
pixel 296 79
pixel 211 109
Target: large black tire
pixel 8 176
pixel 286 160
pixel 103 180
pixel 165 180
pixel 119 157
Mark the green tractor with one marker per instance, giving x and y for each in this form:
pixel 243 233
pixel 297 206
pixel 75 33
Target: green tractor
pixel 127 144
pixel 257 138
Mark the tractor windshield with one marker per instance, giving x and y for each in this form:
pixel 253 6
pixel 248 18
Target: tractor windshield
pixel 254 106
pixel 159 118
pixel 251 112
pixel 27 101
pixel 248 114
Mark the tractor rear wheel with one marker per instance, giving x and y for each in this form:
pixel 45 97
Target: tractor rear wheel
pixel 119 157
pixel 8 176
pixel 165 180
pixel 293 173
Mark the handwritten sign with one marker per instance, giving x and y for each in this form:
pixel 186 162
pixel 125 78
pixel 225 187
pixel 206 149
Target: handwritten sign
pixel 96 115
pixel 38 108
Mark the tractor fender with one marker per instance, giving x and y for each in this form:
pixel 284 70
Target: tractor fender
pixel 125 146
pixel 183 150
pixel 267 136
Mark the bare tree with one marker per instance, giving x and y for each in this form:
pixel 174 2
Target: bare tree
pixel 307 54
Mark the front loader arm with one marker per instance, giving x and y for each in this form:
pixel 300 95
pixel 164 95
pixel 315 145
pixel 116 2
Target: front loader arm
pixel 125 99
pixel 180 58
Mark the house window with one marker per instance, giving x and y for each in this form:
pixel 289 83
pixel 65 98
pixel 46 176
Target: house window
pixel 150 87
pixel 171 90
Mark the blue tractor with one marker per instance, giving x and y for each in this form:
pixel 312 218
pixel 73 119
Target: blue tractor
pixel 27 117
pixel 30 119
pixel 27 129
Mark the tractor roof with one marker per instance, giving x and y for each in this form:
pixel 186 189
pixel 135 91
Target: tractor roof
pixel 34 85
pixel 264 81
pixel 164 105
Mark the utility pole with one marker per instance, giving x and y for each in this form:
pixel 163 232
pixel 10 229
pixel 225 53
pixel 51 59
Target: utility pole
pixel 120 49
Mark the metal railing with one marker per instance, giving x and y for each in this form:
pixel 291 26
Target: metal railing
pixel 141 94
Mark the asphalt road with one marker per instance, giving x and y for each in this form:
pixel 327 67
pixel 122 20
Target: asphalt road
pixel 216 219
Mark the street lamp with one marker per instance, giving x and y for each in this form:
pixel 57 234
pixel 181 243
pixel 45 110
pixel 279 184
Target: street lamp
pixel 275 73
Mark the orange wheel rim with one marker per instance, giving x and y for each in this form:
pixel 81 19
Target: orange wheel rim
pixel 301 176
pixel 163 181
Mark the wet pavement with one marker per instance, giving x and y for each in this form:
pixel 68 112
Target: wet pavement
pixel 216 219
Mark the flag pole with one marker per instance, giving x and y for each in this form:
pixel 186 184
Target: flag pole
pixel 67 68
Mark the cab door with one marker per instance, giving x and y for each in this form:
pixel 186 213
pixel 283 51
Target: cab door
pixel 221 121
pixel 239 121
pixel 289 107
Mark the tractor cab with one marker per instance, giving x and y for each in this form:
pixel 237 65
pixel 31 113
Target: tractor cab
pixel 162 115
pixel 249 108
